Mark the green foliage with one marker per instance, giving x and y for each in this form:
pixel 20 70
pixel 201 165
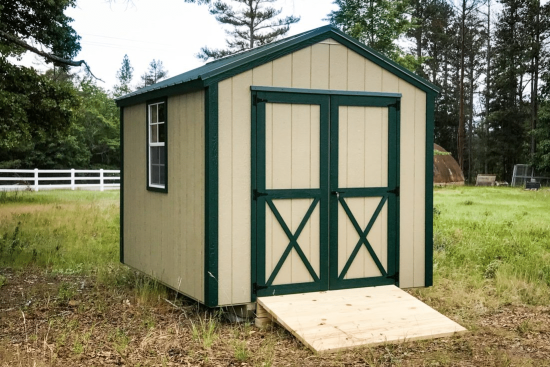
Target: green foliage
pixel 254 24
pixel 43 21
pixel 377 23
pixel 541 160
pixel 154 74
pixel 33 107
pixel 124 76
pixel 97 125
pixel 51 123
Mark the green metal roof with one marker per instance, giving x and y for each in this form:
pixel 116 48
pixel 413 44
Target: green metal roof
pixel 227 67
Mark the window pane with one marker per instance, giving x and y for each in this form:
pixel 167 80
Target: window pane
pixel 162 155
pixel 154 116
pixel 153 137
pixel 162 179
pixel 161 133
pixel 161 112
pixel 154 158
pixel 155 174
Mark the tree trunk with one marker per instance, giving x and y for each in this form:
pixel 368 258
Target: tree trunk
pixel 535 80
pixel 487 88
pixel 461 122
pixel 250 3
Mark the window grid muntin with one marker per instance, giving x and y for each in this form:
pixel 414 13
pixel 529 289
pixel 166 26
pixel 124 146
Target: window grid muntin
pixel 157 170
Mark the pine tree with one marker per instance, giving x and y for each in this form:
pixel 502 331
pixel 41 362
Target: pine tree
pixel 254 24
pixel 508 112
pixel 154 74
pixel 377 23
pixel 124 76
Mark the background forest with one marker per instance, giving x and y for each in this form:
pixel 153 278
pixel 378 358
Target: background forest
pixel 490 59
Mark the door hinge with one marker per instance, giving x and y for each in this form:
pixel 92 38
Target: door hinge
pixel 394 191
pixel 394 277
pixel 256 194
pixel 258 100
pixel 256 288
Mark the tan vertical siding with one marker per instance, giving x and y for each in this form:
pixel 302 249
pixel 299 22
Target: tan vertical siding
pixel 164 233
pixel 326 65
pixel 292 161
pixel 362 162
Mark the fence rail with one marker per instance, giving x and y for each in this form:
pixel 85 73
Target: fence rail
pixel 30 179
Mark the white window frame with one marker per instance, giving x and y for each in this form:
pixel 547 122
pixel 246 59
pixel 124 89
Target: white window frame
pixel 151 144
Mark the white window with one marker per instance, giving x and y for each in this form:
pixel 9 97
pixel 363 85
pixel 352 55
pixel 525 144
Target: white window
pixel 157 146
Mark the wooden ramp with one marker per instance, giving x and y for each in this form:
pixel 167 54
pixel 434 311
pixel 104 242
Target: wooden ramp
pixel 335 320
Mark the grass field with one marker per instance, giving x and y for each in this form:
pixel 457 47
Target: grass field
pixel 65 299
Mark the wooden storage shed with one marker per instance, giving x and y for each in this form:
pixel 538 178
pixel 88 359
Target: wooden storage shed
pixel 298 166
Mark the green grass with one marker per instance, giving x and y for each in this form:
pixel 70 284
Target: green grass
pixel 492 247
pixel 68 232
pixel 492 250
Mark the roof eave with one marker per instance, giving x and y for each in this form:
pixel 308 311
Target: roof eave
pixel 162 91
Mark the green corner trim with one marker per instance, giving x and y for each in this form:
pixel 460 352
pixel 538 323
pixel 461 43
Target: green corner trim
pixel 429 248
pixel 121 204
pixel 166 123
pixel 211 197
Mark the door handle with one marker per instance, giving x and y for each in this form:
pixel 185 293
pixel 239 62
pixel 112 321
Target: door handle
pixel 337 193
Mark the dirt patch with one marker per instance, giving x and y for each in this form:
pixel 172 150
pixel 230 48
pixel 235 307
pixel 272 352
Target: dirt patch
pixel 59 320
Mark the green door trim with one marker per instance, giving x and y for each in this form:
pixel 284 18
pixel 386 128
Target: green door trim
pixel 389 195
pixel 262 199
pixel 325 196
pixel 362 237
pixel 293 238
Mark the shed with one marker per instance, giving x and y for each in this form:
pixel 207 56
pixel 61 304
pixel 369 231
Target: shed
pixel 302 165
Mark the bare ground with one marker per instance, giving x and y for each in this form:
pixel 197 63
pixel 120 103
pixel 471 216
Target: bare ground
pixel 67 320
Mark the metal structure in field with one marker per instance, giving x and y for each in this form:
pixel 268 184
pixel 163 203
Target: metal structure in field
pixel 299 166
pixel 524 173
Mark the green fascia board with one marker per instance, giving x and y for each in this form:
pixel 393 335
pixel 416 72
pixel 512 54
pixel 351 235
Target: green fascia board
pixel 324 92
pixel 227 67
pixel 159 92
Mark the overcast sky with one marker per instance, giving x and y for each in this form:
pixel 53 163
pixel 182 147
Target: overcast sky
pixel 168 30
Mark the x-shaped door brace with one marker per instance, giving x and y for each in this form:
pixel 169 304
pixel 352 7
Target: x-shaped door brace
pixel 362 237
pixel 293 241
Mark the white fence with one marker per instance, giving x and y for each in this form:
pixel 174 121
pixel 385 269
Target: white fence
pixel 47 179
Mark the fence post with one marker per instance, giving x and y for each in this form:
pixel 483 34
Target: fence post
pixel 36 179
pixel 101 181
pixel 72 179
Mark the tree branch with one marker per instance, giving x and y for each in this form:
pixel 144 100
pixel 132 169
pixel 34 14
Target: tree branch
pixel 46 55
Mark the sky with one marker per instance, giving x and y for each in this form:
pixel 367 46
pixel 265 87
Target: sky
pixel 168 30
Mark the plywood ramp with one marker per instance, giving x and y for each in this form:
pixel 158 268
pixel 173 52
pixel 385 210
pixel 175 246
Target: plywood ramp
pixel 335 320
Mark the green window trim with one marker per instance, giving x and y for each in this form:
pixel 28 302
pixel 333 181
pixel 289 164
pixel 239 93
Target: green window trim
pixel 157 130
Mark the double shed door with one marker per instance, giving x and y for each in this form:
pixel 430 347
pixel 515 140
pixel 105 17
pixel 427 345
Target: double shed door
pixel 325 191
